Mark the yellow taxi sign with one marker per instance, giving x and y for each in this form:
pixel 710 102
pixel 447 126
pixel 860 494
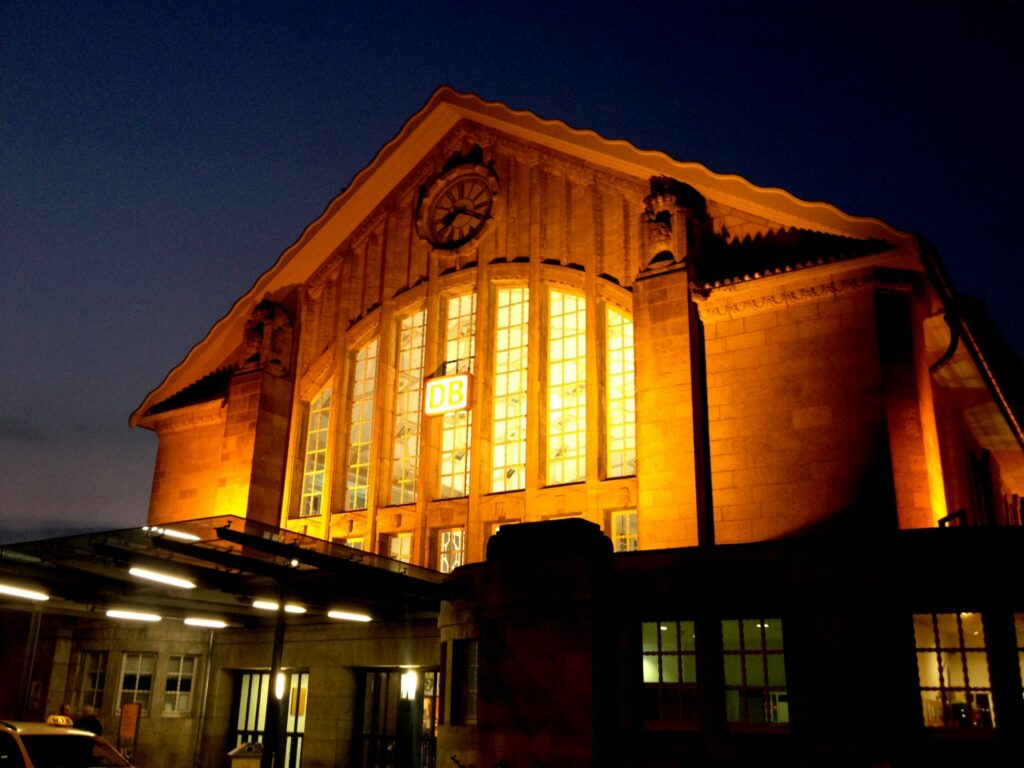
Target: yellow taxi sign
pixel 444 394
pixel 62 720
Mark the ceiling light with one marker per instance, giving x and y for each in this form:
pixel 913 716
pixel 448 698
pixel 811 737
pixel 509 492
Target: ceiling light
pixel 170 533
pixel 272 605
pixel 348 616
pixel 195 621
pixel 24 594
pixel 162 578
pixel 114 613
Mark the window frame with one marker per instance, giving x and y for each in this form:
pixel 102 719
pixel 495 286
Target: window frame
pixel 147 703
pixel 766 687
pixel 179 675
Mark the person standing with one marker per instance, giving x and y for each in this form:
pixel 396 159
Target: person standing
pixel 89 722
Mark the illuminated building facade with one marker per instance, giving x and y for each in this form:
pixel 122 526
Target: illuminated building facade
pixel 706 452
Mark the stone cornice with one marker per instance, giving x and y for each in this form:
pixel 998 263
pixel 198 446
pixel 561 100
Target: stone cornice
pixel 741 300
pixel 190 417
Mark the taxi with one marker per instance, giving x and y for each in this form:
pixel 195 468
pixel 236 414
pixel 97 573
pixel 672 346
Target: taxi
pixel 55 744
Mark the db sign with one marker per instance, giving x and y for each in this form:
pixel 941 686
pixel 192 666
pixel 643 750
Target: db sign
pixel 447 393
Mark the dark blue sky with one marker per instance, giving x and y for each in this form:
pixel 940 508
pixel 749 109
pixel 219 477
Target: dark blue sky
pixel 155 158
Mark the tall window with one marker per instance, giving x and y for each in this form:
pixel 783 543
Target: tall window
pixel 669 671
pixel 755 671
pixel 465 666
pixel 408 391
pixel 178 688
pixel 450 548
pixel 460 347
pixel 952 670
pixel 620 394
pixel 511 342
pixel 94 678
pixel 137 678
pixel 314 467
pixel 360 431
pixel 567 391
pixel 624 535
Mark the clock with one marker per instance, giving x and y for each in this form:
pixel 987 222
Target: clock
pixel 458 206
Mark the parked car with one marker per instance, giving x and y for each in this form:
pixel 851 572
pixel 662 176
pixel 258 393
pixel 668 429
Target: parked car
pixel 55 744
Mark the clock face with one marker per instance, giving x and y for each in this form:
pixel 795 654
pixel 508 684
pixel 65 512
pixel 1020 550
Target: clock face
pixel 460 210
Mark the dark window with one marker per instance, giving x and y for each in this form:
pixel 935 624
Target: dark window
pixel 755 672
pixel 669 671
pixel 465 665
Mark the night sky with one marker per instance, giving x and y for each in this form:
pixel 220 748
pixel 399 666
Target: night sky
pixel 156 158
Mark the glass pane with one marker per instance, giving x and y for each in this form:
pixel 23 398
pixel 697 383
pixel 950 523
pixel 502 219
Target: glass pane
pixel 731 635
pixel 670 669
pixel 752 634
pixel 953 670
pixel 651 669
pixel 928 669
pixel 773 634
pixel 754 664
pixel 949 634
pixel 688 637
pixel 669 638
pixel 689 669
pixel 931 706
pixel 924 630
pixel 977 669
pixel 733 713
pixel 733 675
pixel 650 636
pixel 974 632
pixel 776 669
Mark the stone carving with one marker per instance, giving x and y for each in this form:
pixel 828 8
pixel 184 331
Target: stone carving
pixel 267 341
pixel 670 212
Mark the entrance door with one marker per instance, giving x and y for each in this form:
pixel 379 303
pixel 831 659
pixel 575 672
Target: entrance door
pixel 252 692
pixel 396 728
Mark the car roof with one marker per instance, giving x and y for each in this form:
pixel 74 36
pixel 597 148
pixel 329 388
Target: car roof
pixel 37 729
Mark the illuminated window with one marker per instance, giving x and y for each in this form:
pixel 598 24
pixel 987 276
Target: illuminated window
pixel 465 665
pixel 450 548
pixel 624 536
pixel 620 394
pixel 360 432
pixel 408 391
pixel 567 391
pixel 178 687
pixel 355 543
pixel 952 670
pixel 137 679
pixel 511 336
pixel 755 672
pixel 94 678
pixel 669 671
pixel 397 546
pixel 314 467
pixel 460 345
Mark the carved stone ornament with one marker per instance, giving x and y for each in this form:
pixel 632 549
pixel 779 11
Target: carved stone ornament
pixel 267 342
pixel 664 248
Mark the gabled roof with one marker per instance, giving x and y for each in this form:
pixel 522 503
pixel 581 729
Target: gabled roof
pixel 445 109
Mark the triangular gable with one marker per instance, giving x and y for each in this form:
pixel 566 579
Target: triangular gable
pixel 420 134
